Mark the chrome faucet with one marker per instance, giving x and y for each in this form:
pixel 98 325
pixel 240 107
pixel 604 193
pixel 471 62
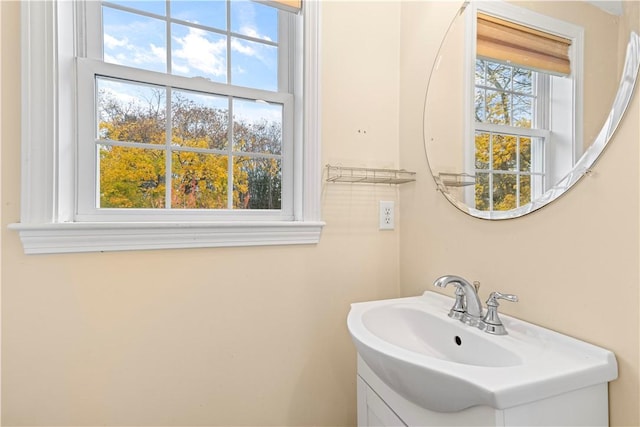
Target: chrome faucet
pixel 467 307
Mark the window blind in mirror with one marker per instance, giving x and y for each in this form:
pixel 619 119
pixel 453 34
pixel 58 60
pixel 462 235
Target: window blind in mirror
pixel 518 44
pixel 288 5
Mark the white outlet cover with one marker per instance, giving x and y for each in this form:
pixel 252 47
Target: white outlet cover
pixel 387 215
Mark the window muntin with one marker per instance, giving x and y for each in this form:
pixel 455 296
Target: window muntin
pixel 221 136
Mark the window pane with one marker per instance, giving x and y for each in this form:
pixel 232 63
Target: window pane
pixel 257 183
pixel 134 40
pixel 498 107
pixel 131 177
pixel 482 150
pixel 504 192
pixel 480 105
pixel 198 53
pixel 525 154
pixel 523 80
pixel 157 7
pixel 525 189
pixel 209 13
pixel 199 120
pixel 257 127
pixel 498 76
pixel 254 64
pixel 522 111
pixel 480 69
pixel 198 181
pixel 131 112
pixel 482 191
pixel 254 20
pixel 504 152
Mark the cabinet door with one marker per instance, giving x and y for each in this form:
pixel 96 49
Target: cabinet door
pixel 406 413
pixel 372 411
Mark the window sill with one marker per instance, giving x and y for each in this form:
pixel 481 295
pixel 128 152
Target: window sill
pixel 52 238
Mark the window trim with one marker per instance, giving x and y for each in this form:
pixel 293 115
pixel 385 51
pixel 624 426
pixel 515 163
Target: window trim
pixel 48 190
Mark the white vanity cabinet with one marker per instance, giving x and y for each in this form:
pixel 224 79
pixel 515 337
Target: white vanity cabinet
pixel 419 367
pixel 379 405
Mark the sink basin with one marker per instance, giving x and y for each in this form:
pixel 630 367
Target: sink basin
pixel 444 365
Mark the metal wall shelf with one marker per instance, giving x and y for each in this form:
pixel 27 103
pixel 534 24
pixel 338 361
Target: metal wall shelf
pixel 369 175
pixel 456 179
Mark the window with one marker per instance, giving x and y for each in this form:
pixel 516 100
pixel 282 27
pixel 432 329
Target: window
pixel 523 124
pixel 169 124
pixel 510 134
pixel 192 110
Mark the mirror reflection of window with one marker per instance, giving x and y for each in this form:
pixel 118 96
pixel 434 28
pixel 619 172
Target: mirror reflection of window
pixel 522 83
pixel 509 163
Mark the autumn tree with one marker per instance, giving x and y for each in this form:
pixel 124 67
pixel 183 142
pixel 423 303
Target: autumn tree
pixel 136 176
pixel 132 177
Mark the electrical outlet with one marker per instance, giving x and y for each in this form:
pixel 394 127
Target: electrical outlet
pixel 387 215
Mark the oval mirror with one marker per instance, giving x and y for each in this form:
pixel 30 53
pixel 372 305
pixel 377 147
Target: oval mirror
pixel 523 98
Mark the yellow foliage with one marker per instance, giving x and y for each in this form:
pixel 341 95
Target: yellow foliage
pixel 135 177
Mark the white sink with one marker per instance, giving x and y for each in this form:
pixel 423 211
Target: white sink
pixel 444 365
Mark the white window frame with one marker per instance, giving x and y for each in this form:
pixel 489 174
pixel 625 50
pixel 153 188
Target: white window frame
pixel 48 219
pixel 564 138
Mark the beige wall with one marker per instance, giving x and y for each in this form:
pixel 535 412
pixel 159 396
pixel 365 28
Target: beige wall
pixel 226 337
pixel 253 336
pixel 574 264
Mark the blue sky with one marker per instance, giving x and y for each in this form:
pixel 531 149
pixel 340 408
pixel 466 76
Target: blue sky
pixel 141 41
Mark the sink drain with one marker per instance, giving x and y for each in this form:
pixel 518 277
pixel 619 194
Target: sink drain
pixel 458 340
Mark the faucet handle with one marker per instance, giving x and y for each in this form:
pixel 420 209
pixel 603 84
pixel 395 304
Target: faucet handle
pixel 476 285
pixel 467 307
pixel 494 296
pixel 459 308
pixel 491 322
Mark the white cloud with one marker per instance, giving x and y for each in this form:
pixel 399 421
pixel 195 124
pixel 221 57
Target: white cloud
pixel 144 57
pixel 111 42
pixel 248 16
pixel 160 53
pixel 195 51
pixel 244 49
pixel 123 52
pixel 200 53
pixel 179 68
pixel 251 31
